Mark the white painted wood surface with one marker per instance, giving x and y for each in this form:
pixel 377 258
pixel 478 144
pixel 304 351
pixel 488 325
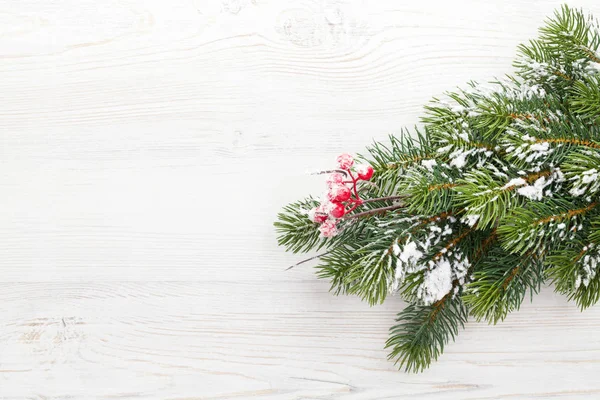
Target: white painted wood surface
pixel 145 148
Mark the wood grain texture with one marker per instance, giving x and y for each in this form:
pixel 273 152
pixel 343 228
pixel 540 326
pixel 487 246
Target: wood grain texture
pixel 145 148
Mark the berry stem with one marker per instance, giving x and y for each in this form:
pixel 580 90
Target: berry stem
pixel 354 185
pixel 356 204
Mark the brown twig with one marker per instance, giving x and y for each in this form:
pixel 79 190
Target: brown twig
pixel 309 259
pixel 385 198
pixel 566 215
pixel 329 171
pixel 373 211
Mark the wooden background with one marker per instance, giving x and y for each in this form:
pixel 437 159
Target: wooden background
pixel 145 148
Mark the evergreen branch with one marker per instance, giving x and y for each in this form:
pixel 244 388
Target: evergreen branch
pixel 453 243
pixel 571 141
pixel 537 64
pixel 486 199
pixel 442 186
pixel 335 265
pixel 423 331
pixel 370 275
pixel 483 197
pixel 500 284
pixel 566 215
pixel 497 192
pixel 428 191
pixel 585 98
pixel 536 224
pixel 573 269
pixel 452 249
pixel 582 170
pixel 390 160
pixel 571 35
pixel 410 161
pixel 295 231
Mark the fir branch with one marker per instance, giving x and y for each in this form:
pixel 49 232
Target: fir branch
pixel 335 265
pixel 571 141
pixel 489 199
pixel 295 231
pixel 486 198
pixel 498 191
pixel 423 331
pixel 442 186
pixel 428 191
pixel 500 284
pixel 537 224
pixel 585 98
pixel 453 243
pixel 570 34
pixel 371 274
pixel 581 169
pixel 390 160
pixel 536 64
pixel 565 215
pixel 573 268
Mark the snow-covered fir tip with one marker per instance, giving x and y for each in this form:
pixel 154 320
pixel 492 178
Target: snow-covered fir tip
pixel 535 191
pixel 588 263
pixel 539 69
pixel 470 219
pixel 429 164
pixel 513 182
pixel 458 158
pixel 541 187
pixel 585 183
pixel 413 254
pixel 526 91
pixel 533 153
pixel 593 67
pixel 440 276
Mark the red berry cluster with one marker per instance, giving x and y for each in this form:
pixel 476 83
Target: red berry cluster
pixel 342 195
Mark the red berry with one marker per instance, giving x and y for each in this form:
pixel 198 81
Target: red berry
pixel 335 179
pixel 338 210
pixel 317 214
pixel 339 193
pixel 320 218
pixel 328 228
pixel 365 172
pixel 345 161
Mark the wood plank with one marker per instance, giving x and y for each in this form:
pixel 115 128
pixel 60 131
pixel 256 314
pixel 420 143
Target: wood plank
pixel 272 340
pixel 145 149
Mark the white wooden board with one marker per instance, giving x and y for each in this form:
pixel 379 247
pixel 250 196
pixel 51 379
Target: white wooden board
pixel 145 148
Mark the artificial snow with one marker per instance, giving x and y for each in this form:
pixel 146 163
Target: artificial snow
pixel 437 282
pixel 540 147
pixel 429 164
pixel 470 219
pixel 514 182
pixel 410 253
pixel 535 191
pixel 459 158
pixel 586 182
